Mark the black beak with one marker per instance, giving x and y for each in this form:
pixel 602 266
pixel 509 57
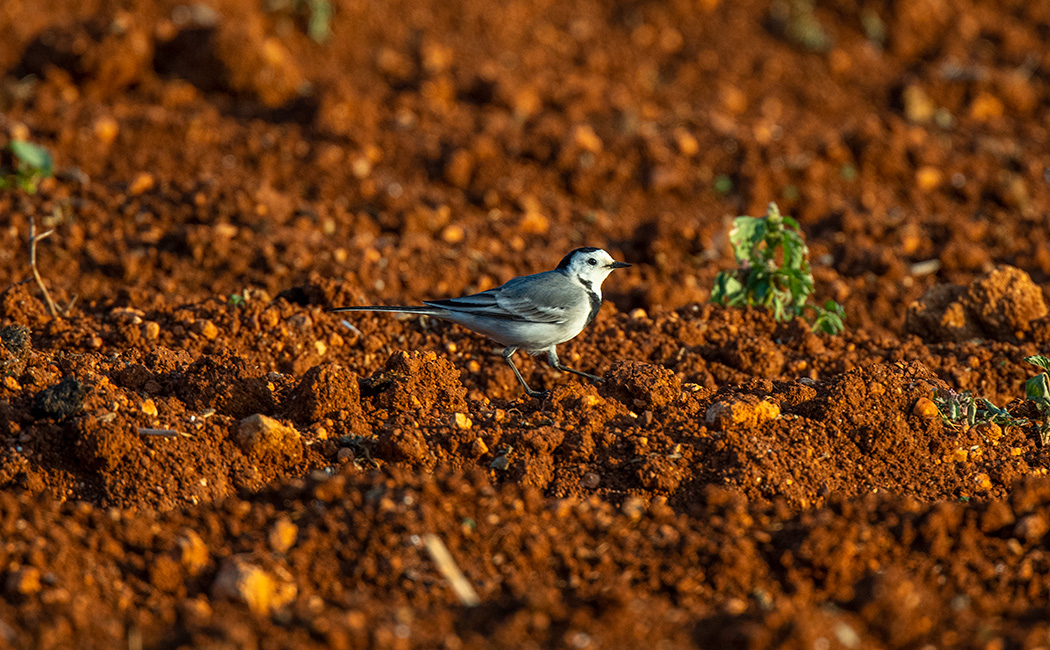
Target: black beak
pixel 619 265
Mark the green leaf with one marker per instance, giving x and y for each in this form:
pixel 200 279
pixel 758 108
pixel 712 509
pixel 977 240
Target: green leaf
pixel 745 233
pixel 723 184
pixel 1038 387
pixel 33 157
pixel 1039 360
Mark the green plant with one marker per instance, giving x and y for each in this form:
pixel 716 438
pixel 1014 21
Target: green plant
pixel 32 164
pixel 1037 389
pixel 959 408
pixel 318 15
pixel 773 272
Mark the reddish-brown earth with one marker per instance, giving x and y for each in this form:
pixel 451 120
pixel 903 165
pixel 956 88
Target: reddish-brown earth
pixel 197 454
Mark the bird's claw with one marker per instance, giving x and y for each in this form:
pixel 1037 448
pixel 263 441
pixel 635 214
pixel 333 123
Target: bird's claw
pixel 539 394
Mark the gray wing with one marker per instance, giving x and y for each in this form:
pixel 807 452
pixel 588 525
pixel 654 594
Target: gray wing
pixel 541 298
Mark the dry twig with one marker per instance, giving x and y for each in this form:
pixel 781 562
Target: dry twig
pixel 33 239
pixel 167 433
pixel 448 567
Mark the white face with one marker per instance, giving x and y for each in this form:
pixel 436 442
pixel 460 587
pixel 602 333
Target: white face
pixel 593 266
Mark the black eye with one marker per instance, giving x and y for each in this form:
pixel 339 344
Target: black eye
pixel 592 261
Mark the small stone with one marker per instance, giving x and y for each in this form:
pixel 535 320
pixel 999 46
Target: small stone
pixel 206 328
pixel 585 138
pixel 260 435
pixel 638 314
pixel 928 178
pixel 960 455
pixel 151 330
pixel 534 223
pixel 918 107
pixel 24 581
pixel 983 481
pixel 344 454
pixel 10 383
pixel 479 447
pixel 282 535
pixel 242 582
pixel 1031 528
pixel 740 413
pixel 925 408
pixel 462 421
pixel 191 551
pixel 361 167
pixel 106 129
pixel 142 183
pixel 453 234
pixel 149 408
pixel 986 106
pixel 686 142
pixel 633 507
pixel 590 480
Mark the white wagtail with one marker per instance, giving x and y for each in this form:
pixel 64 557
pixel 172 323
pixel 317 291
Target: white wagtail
pixel 533 313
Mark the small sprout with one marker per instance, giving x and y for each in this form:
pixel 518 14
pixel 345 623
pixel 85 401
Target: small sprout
pixel 32 164
pixel 318 15
pixel 773 272
pixel 236 300
pixel 959 408
pixel 848 172
pixel 796 20
pixel 1037 389
pixel 873 26
pixel 723 184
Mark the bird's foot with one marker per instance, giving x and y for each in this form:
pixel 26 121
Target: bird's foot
pixel 538 394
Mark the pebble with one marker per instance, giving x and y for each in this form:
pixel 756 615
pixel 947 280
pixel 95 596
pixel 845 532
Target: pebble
pixel 24 581
pixel 142 183
pixel 258 434
pixel 453 234
pixel 534 223
pixel 106 129
pixel 151 330
pixel 590 480
pixel 986 106
pixel 928 178
pixel 462 421
pixel 925 408
pixel 282 535
pixel 148 407
pixel 633 507
pixel 206 328
pixel 585 138
pixel 240 581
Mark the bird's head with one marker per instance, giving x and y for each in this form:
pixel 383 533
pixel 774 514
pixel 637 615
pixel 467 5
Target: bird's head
pixel 590 265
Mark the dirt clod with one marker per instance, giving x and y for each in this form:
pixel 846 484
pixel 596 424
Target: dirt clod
pixel 1000 305
pixel 261 437
pixel 64 399
pixel 326 391
pixel 642 385
pixel 15 345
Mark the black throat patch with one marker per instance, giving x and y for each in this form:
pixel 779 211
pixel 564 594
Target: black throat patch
pixel 596 301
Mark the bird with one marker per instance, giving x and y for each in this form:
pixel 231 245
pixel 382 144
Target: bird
pixel 533 313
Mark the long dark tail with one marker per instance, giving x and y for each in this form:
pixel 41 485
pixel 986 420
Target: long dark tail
pixel 395 309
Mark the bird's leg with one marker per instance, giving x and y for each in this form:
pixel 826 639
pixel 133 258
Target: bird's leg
pixel 507 354
pixel 552 359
